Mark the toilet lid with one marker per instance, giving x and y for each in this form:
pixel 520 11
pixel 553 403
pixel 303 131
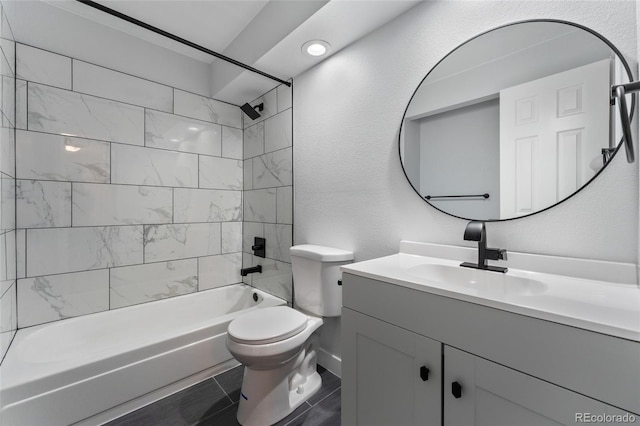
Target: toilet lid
pixel 267 325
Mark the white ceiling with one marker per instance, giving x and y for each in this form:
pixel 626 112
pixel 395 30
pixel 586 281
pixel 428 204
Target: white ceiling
pixel 265 34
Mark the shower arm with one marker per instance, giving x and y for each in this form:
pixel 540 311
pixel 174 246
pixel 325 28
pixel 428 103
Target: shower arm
pixel 619 91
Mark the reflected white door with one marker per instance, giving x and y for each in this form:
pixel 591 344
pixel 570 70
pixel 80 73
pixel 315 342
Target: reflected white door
pixel 550 130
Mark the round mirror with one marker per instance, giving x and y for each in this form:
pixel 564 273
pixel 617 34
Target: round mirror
pixel 513 121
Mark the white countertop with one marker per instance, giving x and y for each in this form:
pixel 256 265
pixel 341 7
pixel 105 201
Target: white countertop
pixel 600 306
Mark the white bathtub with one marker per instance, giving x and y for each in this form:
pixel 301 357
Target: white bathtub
pixel 72 370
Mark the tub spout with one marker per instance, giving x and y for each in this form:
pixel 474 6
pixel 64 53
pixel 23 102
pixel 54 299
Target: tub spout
pixel 246 271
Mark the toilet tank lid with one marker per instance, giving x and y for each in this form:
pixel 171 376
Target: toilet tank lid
pixel 321 253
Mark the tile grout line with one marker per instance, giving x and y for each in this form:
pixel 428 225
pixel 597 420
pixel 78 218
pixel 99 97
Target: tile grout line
pixel 314 405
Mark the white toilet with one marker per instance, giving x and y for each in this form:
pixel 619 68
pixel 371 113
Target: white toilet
pixel 277 345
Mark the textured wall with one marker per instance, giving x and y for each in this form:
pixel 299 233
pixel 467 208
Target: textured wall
pixel 350 191
pixel 128 191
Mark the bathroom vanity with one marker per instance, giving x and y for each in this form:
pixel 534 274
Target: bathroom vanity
pixel 427 342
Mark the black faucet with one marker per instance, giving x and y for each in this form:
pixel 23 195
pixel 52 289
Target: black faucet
pixel 246 271
pixel 476 231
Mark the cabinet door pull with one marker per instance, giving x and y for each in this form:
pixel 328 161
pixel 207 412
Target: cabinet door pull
pixel 424 373
pixel 456 390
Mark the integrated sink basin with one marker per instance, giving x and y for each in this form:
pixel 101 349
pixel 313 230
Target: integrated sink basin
pixel 476 280
pixel 595 295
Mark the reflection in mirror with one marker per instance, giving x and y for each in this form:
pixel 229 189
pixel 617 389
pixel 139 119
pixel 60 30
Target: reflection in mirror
pixel 521 113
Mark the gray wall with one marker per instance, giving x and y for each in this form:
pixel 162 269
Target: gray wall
pixel 350 191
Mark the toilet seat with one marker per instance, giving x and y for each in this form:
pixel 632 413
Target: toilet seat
pixel 267 325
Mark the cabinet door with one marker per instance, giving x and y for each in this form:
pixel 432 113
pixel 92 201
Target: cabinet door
pixel 494 395
pixel 384 377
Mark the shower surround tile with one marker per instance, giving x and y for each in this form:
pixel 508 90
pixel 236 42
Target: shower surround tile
pixel 285 99
pixel 43 204
pixel 168 242
pixel 61 250
pixel 106 83
pixel 131 285
pixel 218 271
pixel 50 298
pixel 247 171
pixel 8 48
pixel 231 143
pixel 21 104
pixel 276 278
pixel 60 111
pixel 8 271
pixel 5 67
pixel 99 204
pixel 44 67
pixel 231 240
pixel 8 101
pixel 220 173
pixel 8 318
pixel 55 157
pixel 167 131
pixel 254 141
pixel 195 106
pixel 284 201
pixel 260 205
pixel 156 167
pixel 7 151
pixel 206 205
pixel 21 253
pixel 273 169
pixel 7 203
pixel 280 238
pixel 278 132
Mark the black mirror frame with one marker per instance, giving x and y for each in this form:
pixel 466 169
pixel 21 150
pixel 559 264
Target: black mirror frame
pixel 559 21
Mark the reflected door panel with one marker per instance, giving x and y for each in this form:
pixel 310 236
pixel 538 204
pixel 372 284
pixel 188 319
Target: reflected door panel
pixel 550 130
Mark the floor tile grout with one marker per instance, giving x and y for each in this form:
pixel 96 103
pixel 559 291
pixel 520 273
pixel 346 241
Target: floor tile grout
pixel 328 395
pixel 224 391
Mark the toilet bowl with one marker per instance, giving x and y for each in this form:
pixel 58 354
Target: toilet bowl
pixel 278 345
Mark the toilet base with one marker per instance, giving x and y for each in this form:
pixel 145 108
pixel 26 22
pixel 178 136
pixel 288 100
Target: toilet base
pixel 268 396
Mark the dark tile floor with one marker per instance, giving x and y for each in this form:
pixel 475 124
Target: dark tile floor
pixel 214 402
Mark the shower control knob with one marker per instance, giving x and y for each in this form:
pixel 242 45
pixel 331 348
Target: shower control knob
pixel 424 373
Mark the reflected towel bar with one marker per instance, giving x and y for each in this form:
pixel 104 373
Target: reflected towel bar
pixel 431 197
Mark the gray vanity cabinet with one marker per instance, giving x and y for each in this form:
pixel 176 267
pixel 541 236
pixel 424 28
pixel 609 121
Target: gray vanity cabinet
pixel 487 367
pixel 392 375
pixel 493 395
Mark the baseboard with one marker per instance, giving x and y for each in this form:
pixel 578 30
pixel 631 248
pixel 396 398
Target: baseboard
pixel 330 362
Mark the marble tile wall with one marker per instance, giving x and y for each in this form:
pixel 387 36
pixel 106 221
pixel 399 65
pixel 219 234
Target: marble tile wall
pixel 8 272
pixel 127 191
pixel 268 195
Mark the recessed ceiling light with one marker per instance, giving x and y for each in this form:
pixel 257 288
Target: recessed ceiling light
pixel 316 47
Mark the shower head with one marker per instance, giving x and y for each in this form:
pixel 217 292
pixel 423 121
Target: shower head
pixel 251 111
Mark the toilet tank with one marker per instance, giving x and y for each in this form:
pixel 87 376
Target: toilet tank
pixel 316 271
